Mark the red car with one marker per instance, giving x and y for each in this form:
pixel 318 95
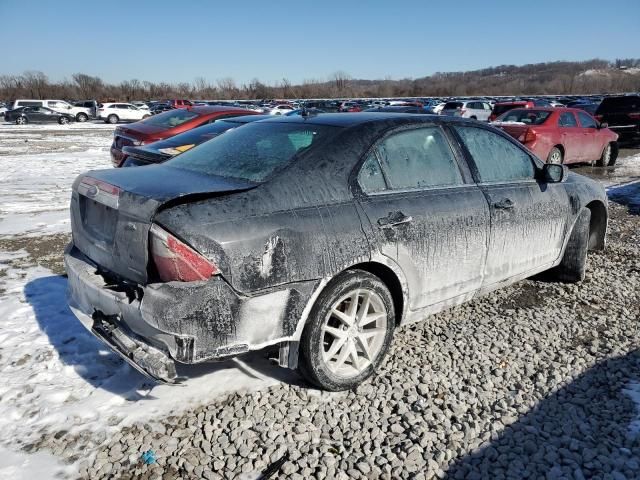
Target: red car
pixel 561 135
pixel 165 125
pixel 180 103
pixel 502 107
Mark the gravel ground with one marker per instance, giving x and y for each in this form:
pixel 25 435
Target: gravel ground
pixel 527 382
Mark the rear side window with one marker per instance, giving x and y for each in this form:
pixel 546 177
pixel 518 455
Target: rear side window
pixel 370 177
pixel 586 121
pixel 452 105
pixel 172 118
pixel 496 158
pixel 500 109
pixel 418 158
pixel 530 117
pixel 567 119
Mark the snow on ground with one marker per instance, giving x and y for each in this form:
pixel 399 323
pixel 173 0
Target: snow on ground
pixel 57 376
pixel 22 466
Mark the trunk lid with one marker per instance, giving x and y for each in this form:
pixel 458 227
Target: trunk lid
pixel 111 214
pixel 516 129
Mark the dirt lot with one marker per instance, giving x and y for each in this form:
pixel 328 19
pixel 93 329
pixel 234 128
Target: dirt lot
pixel 539 380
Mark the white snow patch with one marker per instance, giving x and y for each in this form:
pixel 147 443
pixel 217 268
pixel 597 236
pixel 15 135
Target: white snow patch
pixel 23 466
pixel 633 391
pixel 35 189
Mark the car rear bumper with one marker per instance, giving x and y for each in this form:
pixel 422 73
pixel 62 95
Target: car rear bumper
pixel 156 325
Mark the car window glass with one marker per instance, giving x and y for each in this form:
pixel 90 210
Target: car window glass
pixel 567 119
pixel 495 157
pixel 419 158
pixel 370 177
pixel 586 121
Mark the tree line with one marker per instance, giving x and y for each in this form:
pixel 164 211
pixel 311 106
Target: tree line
pixel 552 78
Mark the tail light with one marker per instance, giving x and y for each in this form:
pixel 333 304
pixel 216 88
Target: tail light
pixel 529 136
pixel 177 261
pixel 634 116
pixel 101 192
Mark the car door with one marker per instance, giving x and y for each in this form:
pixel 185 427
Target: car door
pixel 528 216
pixel 39 115
pixel 591 140
pixel 571 137
pixel 426 214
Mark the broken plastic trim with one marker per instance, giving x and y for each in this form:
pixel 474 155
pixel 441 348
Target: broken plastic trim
pixel 148 360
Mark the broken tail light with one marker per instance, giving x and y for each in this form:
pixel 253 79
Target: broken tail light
pixel 177 261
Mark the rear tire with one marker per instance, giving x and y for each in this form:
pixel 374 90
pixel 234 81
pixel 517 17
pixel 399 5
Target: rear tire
pixel 573 266
pixel 112 119
pixel 609 155
pixel 555 156
pixel 82 117
pixel 21 121
pixel 335 356
pixel 63 120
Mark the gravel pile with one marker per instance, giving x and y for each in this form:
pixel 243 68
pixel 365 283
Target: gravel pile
pixel 527 382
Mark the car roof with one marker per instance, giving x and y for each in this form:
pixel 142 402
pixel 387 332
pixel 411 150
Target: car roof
pixel 358 118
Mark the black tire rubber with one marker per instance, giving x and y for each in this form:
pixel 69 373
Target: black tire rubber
pixel 82 117
pixel 310 365
pixel 112 119
pixel 554 149
pixel 573 266
pixel 63 120
pixel 473 117
pixel 612 158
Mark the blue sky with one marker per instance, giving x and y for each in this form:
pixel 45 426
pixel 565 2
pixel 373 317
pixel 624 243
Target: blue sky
pixel 180 40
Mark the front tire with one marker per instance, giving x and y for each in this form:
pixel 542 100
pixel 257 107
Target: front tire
pixel 112 119
pixel 555 156
pixel 82 117
pixel 348 332
pixel 573 266
pixel 609 155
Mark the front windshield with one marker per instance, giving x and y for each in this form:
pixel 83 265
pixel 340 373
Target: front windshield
pixel 254 151
pixel 171 118
pixel 530 117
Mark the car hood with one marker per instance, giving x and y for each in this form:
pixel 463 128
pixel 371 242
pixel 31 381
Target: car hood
pixel 141 128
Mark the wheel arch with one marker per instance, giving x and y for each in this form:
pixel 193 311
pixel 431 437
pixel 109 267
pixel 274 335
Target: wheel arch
pixel 597 225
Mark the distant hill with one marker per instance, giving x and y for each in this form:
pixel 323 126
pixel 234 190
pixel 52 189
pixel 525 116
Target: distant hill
pixel 552 78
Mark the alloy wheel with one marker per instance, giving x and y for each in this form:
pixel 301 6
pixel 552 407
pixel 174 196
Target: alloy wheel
pixel 353 332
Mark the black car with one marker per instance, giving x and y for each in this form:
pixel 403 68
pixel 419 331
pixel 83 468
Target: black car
pixel 163 150
pixel 590 108
pixel 159 108
pixel 622 114
pixel 24 115
pixel 320 235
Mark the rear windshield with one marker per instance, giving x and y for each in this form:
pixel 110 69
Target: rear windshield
pixel 452 105
pixel 254 151
pixel 500 109
pixel 530 117
pixel 172 118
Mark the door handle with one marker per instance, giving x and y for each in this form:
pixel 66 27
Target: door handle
pixel 394 219
pixel 504 204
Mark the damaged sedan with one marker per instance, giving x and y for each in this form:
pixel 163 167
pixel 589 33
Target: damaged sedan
pixel 320 235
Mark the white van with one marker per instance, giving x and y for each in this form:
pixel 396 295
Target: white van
pixel 82 114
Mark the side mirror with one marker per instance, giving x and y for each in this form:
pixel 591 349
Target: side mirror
pixel 603 125
pixel 554 172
